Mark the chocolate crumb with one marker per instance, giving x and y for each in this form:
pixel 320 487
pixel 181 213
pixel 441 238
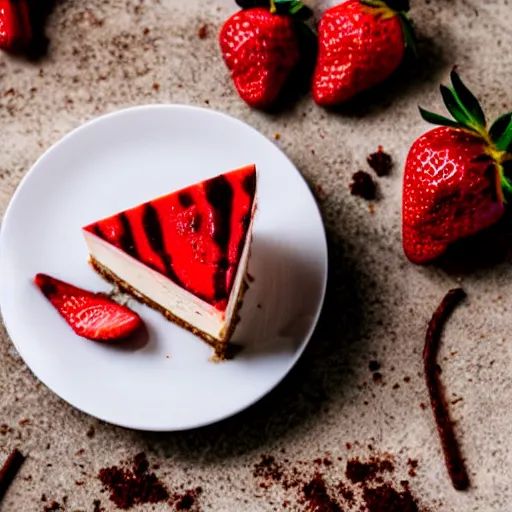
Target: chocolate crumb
pixel 43 498
pixel 380 162
pixel 90 433
pixel 187 500
pixel 407 379
pixel 80 452
pixel 24 421
pixel 363 185
pixel 374 366
pixel 145 31
pixel 277 136
pixel 396 386
pixel 97 506
pixel 54 505
pixel 377 377
pixel 423 405
pixel 156 86
pixel 202 32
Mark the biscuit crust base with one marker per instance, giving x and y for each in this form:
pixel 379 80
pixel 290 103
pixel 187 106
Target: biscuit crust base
pixel 222 348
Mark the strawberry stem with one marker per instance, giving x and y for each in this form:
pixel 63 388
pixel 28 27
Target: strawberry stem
pixel 273 8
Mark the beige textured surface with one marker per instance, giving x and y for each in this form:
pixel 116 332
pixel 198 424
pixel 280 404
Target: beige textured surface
pixel 103 58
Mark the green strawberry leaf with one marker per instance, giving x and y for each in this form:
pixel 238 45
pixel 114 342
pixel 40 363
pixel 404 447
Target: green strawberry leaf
pixel 468 101
pixel 453 106
pixel 500 126
pixel 409 34
pixel 293 8
pixel 506 183
pixel 501 132
pixel 437 119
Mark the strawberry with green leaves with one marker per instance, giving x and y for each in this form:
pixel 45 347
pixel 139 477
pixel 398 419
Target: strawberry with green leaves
pixel 360 44
pixel 260 47
pixel 455 175
pixel 90 315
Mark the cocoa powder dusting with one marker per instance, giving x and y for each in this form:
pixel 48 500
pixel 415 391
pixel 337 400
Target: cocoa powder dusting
pixel 387 499
pixel 364 472
pixel 317 496
pixel 368 485
pixel 133 486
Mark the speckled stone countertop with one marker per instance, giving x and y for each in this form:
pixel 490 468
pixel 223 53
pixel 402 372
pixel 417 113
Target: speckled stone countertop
pixel 108 54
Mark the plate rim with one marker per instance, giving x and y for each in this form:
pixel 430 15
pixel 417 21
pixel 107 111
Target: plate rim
pixel 170 107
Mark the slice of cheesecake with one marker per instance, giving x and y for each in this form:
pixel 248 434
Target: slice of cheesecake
pixel 184 254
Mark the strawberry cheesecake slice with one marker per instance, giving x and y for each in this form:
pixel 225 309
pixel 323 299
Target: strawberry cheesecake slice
pixel 184 254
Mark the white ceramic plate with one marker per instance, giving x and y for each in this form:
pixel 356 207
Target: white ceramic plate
pixel 165 382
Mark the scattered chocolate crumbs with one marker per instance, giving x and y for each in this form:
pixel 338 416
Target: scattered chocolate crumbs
pixel 407 379
pixel 79 483
pixel 23 422
pixel 80 452
pixel 97 506
pixel 145 31
pixel 396 386
pixel 348 494
pixel 413 465
pixel 423 405
pixel 453 459
pixel 156 86
pixel 380 162
pixel 317 496
pixel 363 185
pixel 387 499
pixel 5 429
pixel 364 472
pixel 187 500
pixel 372 208
pixel 9 470
pixel 43 498
pixel 348 446
pixel 374 366
pixel 54 505
pixel 377 377
pixel 202 32
pixel 133 486
pixel 277 136
pixel 90 433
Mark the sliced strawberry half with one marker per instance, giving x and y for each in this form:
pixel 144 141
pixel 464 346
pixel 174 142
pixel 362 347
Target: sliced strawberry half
pixel 91 315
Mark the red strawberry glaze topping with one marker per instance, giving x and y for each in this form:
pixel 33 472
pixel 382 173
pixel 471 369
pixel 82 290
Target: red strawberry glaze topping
pixel 194 236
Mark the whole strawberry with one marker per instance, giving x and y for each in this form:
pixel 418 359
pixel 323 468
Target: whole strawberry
pixel 261 48
pixel 360 44
pixel 90 315
pixel 15 26
pixel 455 176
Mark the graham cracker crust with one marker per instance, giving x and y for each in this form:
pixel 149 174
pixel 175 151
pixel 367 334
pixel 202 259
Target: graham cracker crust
pixel 223 349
